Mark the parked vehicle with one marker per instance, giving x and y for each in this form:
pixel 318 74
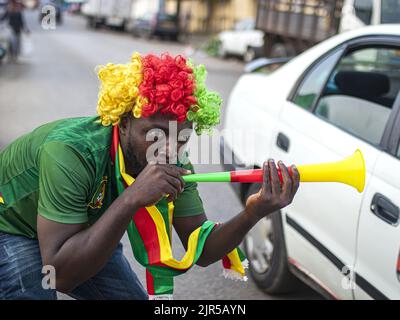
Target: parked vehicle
pixel 339 96
pixel 150 19
pixel 291 26
pixel 111 13
pixel 243 40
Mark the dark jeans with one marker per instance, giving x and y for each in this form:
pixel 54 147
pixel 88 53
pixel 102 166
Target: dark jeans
pixel 15 47
pixel 21 275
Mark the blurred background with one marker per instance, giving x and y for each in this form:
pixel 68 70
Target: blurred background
pixel 47 70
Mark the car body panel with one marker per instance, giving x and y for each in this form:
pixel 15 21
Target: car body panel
pixel 241 37
pixel 379 241
pixel 261 103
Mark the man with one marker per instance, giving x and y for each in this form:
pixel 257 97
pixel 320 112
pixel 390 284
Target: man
pixel 59 204
pixel 17 24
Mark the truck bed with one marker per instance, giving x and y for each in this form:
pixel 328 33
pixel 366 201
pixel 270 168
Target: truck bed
pixel 310 20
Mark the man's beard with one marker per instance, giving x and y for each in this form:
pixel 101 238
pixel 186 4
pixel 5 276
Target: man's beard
pixel 134 165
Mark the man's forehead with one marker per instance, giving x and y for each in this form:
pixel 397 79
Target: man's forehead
pixel 163 122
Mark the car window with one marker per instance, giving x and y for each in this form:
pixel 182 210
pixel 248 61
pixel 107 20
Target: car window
pixel 360 92
pixel 363 10
pixel 239 26
pixel 243 25
pixel 390 11
pixel 398 152
pixel 148 16
pixel 251 24
pixel 315 79
pixel 398 146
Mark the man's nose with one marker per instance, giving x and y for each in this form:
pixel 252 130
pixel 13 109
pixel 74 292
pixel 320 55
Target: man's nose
pixel 169 152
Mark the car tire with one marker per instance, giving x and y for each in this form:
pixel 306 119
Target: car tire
pixel 148 35
pixel 249 55
pixel 222 52
pixel 274 277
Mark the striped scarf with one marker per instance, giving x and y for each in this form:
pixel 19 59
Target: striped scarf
pixel 150 235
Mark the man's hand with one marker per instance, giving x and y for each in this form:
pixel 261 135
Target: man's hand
pixel 155 182
pixel 272 196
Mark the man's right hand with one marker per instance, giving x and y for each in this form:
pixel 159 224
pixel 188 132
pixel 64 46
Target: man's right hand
pixel 155 182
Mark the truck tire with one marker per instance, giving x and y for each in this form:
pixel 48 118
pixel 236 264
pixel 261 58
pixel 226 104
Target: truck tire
pixel 122 27
pixel 93 23
pixel 281 50
pixel 266 252
pixel 249 55
pixel 89 22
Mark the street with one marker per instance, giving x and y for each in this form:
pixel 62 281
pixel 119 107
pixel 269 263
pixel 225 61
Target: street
pixel 59 80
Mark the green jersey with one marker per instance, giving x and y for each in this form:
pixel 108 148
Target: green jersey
pixel 63 171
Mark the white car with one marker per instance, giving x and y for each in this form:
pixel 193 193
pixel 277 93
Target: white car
pixel 244 40
pixel 339 96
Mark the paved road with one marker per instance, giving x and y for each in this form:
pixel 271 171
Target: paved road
pixel 59 81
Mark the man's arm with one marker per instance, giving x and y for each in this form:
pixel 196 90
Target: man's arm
pixel 227 236
pixel 78 252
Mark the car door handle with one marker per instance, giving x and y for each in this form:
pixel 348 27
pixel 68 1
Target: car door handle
pixel 384 209
pixel 283 142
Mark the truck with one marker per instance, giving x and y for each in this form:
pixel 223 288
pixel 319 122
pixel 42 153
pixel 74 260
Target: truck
pixel 291 26
pixel 312 110
pixel 110 13
pixel 152 18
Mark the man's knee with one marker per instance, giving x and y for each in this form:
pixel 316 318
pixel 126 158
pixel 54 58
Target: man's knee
pixel 21 269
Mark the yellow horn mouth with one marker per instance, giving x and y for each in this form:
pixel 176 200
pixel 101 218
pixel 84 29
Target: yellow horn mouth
pixel 350 171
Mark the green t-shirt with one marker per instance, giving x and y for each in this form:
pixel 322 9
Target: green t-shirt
pixel 63 171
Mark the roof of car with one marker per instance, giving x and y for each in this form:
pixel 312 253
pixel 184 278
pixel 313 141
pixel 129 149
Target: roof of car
pixel 391 29
pixel 292 69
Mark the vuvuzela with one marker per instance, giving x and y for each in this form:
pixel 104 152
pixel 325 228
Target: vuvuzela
pixel 350 171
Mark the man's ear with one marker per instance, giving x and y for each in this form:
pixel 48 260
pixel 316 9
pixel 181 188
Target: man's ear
pixel 124 125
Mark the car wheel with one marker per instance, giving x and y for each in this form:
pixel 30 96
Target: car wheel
pixel 249 55
pixel 266 252
pixel 175 37
pixel 148 35
pixel 222 52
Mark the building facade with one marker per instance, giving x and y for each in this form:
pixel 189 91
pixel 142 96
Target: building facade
pixel 209 16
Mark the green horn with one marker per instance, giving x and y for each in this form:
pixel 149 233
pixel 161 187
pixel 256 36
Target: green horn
pixel 208 177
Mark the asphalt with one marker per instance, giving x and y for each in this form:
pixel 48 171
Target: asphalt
pixel 58 80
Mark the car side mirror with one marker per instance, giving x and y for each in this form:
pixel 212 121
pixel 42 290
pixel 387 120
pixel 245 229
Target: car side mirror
pixel 260 63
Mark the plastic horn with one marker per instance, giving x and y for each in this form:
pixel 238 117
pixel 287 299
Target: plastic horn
pixel 350 171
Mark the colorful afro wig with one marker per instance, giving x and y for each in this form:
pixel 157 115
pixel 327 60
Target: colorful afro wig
pixel 150 84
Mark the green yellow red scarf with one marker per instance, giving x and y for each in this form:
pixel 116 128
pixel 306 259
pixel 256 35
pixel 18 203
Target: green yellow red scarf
pixel 150 233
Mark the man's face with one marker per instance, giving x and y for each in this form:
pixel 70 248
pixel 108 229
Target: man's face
pixel 156 138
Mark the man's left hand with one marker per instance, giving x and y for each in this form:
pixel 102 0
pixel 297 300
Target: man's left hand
pixel 273 195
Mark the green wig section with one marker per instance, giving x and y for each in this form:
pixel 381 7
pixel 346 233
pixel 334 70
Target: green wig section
pixel 206 113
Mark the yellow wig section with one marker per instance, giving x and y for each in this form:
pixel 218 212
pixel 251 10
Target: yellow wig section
pixel 119 90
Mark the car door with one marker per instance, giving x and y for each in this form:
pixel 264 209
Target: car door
pixel 246 36
pixel 377 269
pixel 327 118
